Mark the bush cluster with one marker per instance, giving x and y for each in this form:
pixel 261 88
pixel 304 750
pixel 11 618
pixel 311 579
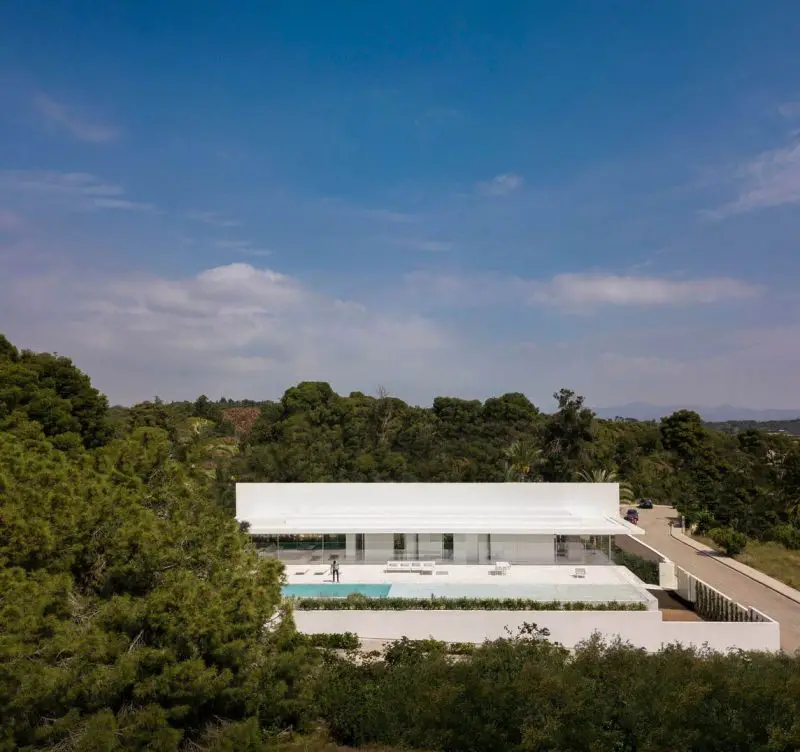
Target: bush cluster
pixel 361 603
pixel 730 541
pixel 526 694
pixel 646 571
pixel 334 640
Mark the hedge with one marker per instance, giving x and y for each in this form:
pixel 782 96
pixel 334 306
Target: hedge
pixel 646 571
pixel 361 603
pixel 334 641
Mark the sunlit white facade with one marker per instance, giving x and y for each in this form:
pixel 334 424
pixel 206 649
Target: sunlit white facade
pixel 461 523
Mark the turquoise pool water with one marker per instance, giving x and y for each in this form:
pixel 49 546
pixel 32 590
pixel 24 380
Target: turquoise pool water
pixel 621 592
pixel 335 590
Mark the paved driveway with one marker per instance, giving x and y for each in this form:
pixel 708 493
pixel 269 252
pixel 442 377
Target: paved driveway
pixel 734 584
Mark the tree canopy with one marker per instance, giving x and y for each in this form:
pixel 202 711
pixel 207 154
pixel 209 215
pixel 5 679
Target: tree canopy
pixel 135 614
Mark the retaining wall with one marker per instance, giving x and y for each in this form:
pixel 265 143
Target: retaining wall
pixel 644 629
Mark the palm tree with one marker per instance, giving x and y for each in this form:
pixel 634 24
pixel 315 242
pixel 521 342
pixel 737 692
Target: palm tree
pixel 602 475
pixel 522 460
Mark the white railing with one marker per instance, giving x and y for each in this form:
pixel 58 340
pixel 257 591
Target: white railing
pixel 712 604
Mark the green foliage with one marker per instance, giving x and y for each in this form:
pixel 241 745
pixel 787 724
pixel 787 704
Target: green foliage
pixel 405 650
pixel 362 603
pixel 646 571
pixel 132 610
pixel 334 640
pixel 134 613
pixel 526 693
pixel 50 390
pixel 786 535
pixel 728 540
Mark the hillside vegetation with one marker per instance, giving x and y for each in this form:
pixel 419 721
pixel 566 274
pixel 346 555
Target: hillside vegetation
pixel 134 613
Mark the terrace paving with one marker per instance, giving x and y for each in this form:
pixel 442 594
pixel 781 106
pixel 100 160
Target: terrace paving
pixel 602 583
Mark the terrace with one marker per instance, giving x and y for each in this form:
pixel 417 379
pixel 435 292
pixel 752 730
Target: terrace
pixel 599 584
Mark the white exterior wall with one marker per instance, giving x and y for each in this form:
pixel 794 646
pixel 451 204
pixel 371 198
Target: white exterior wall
pixel 643 629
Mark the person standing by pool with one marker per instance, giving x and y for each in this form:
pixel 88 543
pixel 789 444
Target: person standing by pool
pixel 335 570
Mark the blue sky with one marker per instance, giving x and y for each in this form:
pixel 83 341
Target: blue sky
pixel 441 198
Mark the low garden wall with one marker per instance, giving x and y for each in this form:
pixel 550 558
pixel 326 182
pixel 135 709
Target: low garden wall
pixel 644 629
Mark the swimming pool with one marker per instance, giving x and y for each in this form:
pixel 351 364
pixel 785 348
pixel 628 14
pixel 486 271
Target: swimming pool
pixel 601 593
pixel 336 590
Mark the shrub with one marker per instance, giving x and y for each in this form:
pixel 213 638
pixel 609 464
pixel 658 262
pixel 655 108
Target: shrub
pixel 334 641
pixel 786 535
pixel 455 604
pixel 406 650
pixel 730 541
pixel 646 571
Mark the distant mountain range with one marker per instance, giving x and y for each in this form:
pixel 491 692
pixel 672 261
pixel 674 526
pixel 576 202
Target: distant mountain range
pixel 646 411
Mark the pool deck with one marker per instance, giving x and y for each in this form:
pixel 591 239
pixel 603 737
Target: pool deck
pixel 602 583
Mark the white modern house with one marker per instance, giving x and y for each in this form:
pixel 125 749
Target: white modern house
pixel 458 523
pixel 536 542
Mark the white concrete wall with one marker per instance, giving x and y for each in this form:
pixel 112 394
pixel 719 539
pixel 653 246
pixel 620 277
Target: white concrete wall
pixel 723 635
pixel 643 629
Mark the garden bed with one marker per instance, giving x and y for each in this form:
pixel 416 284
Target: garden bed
pixel 356 603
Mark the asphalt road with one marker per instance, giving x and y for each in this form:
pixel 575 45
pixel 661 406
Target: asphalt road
pixel 734 584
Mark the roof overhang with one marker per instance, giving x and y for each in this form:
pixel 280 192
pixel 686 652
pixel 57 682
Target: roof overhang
pixel 551 526
pixel 431 508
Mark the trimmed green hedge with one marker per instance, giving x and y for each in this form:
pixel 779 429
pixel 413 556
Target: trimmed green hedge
pixel 334 641
pixel 646 571
pixel 360 603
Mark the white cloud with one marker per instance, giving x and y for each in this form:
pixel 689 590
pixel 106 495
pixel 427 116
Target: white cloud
pixel 589 290
pixel 61 117
pixel 502 185
pixel 212 218
pixel 789 110
pixel 576 292
pixel 771 179
pixel 79 189
pixel 232 329
pixel 238 330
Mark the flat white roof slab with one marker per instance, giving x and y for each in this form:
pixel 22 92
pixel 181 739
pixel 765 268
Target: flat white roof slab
pixel 466 508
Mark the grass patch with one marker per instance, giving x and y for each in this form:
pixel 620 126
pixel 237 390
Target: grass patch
pixel 771 558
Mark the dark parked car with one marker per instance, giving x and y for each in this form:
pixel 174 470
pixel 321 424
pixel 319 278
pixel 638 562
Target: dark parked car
pixel 646 504
pixel 632 516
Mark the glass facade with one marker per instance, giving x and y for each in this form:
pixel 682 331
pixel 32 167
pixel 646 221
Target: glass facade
pixel 459 548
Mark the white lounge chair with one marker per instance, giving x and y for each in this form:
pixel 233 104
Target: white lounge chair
pixel 501 567
pixel 405 566
pixel 392 566
pixel 580 573
pixel 428 567
pixel 416 566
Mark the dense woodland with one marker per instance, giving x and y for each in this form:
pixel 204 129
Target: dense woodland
pixel 134 613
